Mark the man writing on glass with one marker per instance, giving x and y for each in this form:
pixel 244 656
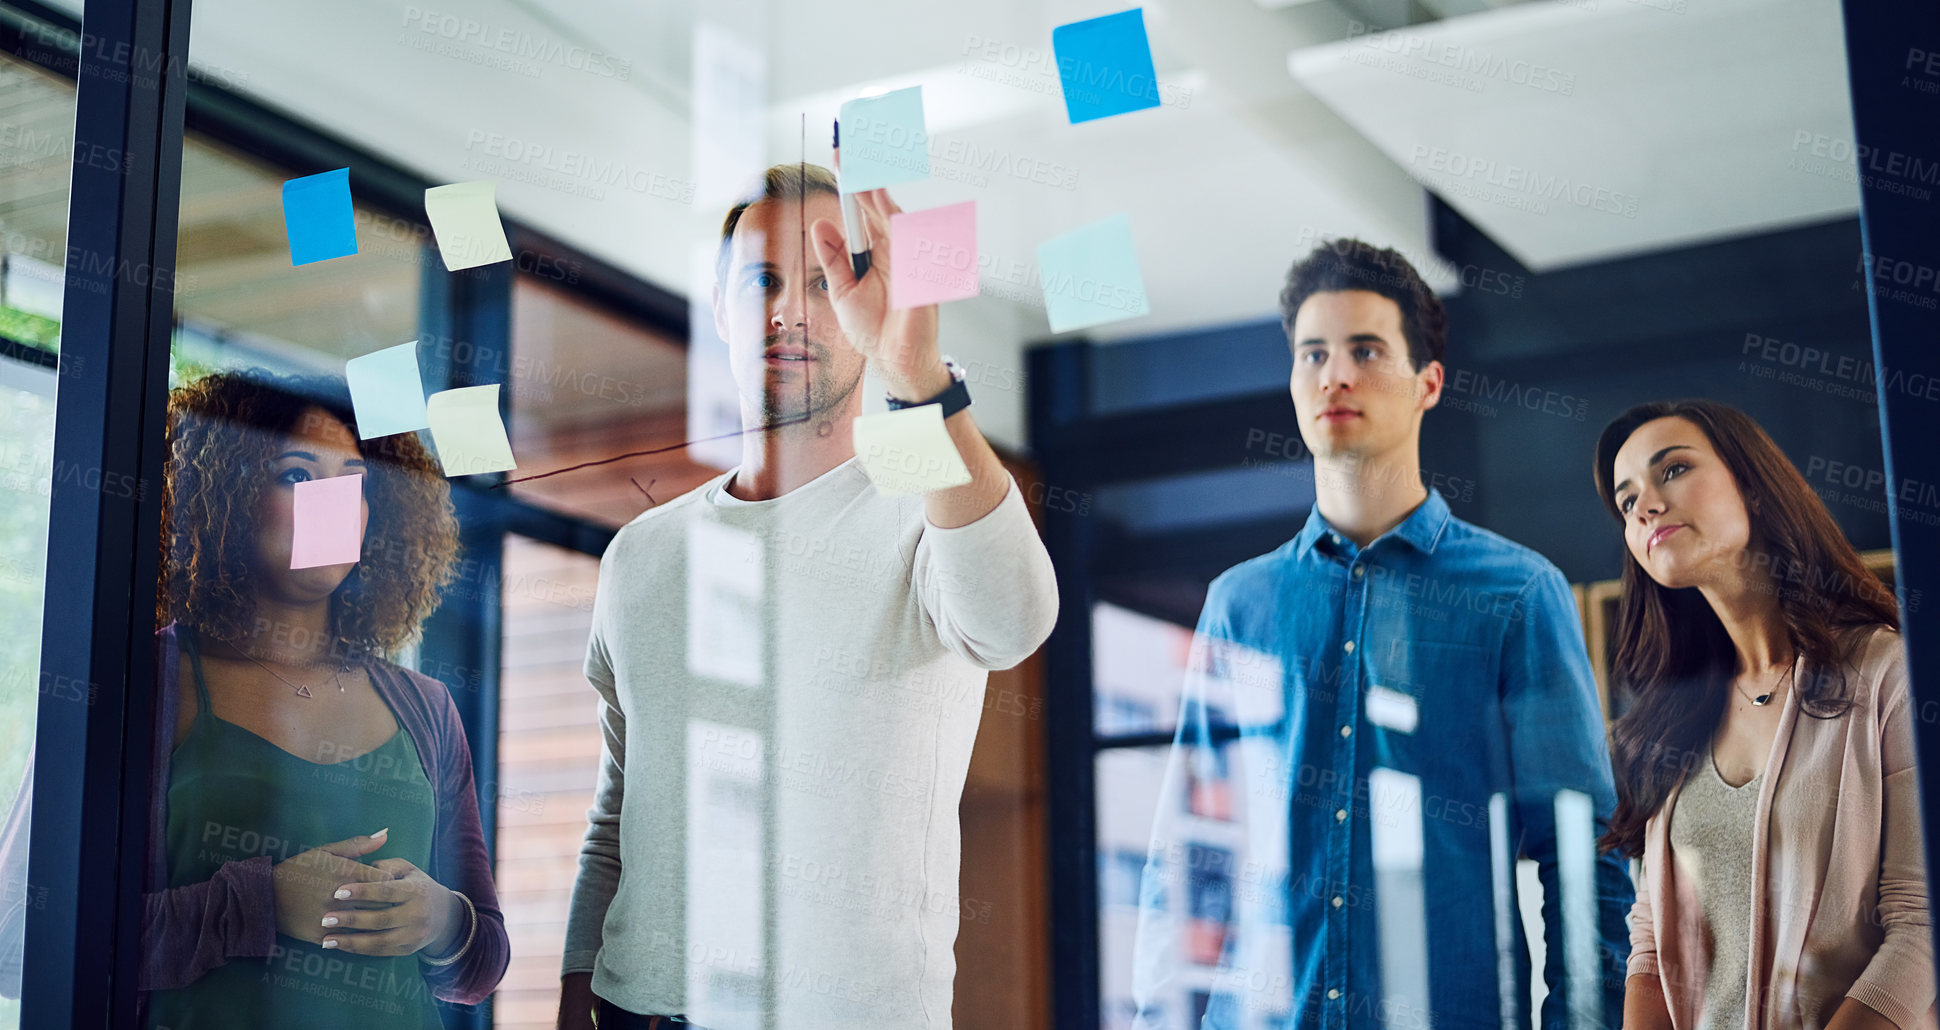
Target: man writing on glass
pixel 791 668
pixel 1404 704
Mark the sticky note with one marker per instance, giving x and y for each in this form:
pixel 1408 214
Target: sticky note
pixel 329 522
pixel 933 255
pixel 467 431
pixel 387 392
pixel 909 451
pixel 1090 276
pixel 1105 66
pixel 884 141
pixel 464 218
pixel 318 217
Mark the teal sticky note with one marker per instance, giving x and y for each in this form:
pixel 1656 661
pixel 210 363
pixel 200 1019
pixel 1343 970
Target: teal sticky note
pixel 318 217
pixel 387 391
pixel 884 141
pixel 1105 66
pixel 1090 276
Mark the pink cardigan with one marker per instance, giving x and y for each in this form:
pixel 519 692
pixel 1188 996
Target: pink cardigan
pixel 1840 870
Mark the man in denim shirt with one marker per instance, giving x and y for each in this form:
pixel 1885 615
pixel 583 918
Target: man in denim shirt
pixel 1403 704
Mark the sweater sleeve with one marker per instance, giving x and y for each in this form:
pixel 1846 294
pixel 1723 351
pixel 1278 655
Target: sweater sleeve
pixel 1643 934
pixel 599 853
pixel 1899 982
pixel 988 586
pixel 464 865
pixel 189 930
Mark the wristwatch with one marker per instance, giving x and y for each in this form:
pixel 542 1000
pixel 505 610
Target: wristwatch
pixel 954 399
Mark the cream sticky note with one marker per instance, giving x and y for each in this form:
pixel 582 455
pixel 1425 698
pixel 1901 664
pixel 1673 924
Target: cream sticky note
pixel 329 520
pixel 466 429
pixel 387 391
pixel 909 451
pixel 933 255
pixel 464 218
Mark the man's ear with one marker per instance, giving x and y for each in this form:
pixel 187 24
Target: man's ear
pixel 1432 379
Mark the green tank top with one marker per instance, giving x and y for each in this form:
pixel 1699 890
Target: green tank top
pixel 232 796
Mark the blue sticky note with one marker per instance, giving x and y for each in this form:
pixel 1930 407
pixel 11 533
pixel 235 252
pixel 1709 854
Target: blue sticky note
pixel 1105 66
pixel 1090 276
pixel 317 213
pixel 387 391
pixel 884 141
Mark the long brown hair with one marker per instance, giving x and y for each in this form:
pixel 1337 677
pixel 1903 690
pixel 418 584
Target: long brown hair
pixel 1674 659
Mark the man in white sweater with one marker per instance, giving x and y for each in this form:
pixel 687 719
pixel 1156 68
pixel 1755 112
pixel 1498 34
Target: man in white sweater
pixel 791 669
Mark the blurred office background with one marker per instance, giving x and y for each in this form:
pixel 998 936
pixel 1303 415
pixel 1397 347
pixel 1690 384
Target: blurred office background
pixel 1619 200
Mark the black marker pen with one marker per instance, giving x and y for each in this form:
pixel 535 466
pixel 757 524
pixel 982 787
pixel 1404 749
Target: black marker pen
pixel 852 223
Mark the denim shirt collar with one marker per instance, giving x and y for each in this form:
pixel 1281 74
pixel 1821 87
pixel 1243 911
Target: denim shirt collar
pixel 1422 528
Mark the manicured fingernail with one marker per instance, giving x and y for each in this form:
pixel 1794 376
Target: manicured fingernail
pixel 342 893
pixel 329 942
pixel 329 920
pixel 381 832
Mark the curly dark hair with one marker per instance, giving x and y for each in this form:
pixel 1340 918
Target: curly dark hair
pixel 223 432
pixel 1675 662
pixel 1350 264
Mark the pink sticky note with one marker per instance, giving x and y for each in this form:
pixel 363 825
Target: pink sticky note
pixel 329 522
pixel 933 255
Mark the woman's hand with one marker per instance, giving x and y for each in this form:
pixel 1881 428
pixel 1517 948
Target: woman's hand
pixel 403 914
pixel 303 883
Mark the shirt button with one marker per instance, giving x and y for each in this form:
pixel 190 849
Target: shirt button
pixel 1347 731
pixel 1348 647
pixel 1333 995
pixel 1337 901
pixel 1357 571
pixel 1340 815
pixel 1335 537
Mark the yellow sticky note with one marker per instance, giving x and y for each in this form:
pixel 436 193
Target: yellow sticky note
pixel 467 431
pixel 464 218
pixel 909 451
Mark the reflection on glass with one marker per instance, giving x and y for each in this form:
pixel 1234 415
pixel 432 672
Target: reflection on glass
pixel 36 160
pixel 316 827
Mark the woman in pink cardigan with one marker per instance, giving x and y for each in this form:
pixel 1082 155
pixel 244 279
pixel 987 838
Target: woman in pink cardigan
pixel 1765 767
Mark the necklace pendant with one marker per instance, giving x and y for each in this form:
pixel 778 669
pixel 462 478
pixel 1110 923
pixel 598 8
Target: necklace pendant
pixel 302 691
pixel 1761 700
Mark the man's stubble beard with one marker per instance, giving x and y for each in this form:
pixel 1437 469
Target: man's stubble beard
pixel 820 396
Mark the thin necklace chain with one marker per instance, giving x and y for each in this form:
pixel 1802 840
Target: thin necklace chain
pixel 1767 696
pixel 301 690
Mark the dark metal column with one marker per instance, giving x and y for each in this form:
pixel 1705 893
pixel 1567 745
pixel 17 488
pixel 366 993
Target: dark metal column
pixel 1060 404
pixel 97 678
pixel 1893 60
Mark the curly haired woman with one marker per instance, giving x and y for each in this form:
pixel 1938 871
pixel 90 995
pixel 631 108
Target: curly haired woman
pixel 318 858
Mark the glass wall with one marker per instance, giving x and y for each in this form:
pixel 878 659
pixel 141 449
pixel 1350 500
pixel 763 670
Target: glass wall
pixel 584 590
pixel 36 147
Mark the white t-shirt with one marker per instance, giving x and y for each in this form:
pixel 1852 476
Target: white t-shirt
pixel 790 691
